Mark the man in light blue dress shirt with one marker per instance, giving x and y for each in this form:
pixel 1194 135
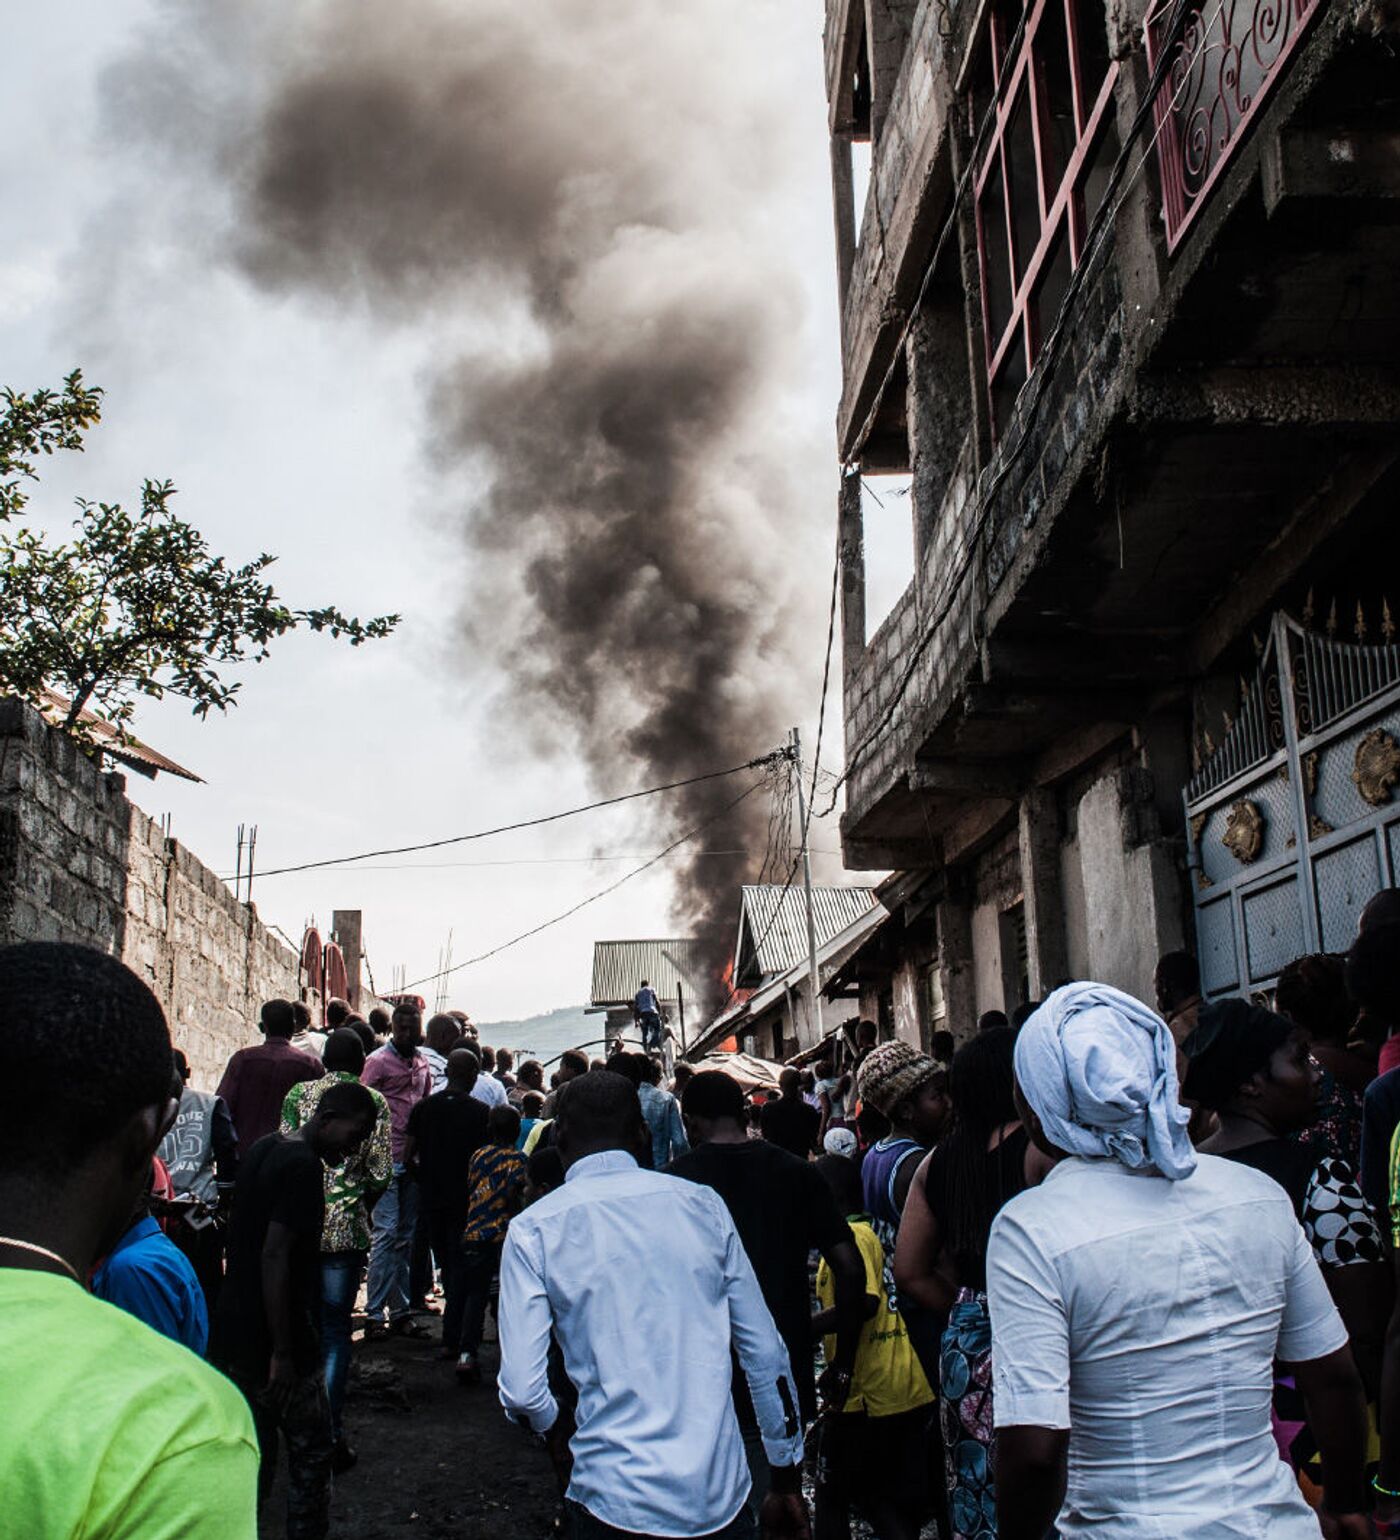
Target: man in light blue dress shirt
pixel 644 1281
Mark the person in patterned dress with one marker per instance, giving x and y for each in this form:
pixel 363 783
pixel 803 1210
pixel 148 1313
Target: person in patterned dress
pixel 1253 1068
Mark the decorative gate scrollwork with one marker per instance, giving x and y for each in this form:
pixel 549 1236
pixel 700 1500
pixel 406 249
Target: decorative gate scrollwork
pixel 1294 818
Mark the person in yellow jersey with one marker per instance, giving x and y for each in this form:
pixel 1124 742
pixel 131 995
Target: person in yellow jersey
pixel 873 1446
pixel 114 1430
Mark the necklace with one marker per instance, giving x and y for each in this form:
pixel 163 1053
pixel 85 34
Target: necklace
pixel 42 1251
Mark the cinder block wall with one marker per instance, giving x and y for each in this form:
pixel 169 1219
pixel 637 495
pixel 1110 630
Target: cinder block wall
pixel 80 862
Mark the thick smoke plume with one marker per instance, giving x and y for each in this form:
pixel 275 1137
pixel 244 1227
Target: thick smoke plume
pixel 579 190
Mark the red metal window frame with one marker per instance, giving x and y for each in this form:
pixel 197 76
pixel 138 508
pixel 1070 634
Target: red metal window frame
pixel 1215 42
pixel 1057 207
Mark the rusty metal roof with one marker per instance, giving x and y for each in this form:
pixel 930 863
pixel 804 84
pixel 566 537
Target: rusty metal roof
pixel 112 741
pixel 620 966
pixel 773 925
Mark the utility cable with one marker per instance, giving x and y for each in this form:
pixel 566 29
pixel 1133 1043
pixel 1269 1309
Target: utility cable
pixel 526 823
pixel 675 845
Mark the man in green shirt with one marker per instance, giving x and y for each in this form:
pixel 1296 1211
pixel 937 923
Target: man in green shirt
pixel 126 1434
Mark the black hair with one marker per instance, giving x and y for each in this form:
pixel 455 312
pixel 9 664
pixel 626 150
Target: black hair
pixel 278 1019
pixel 530 1067
pixel 545 1168
pixel 1381 908
pixel 83 1048
pixel 503 1124
pixel 379 1019
pixel 598 1108
pixel 337 1012
pixel 651 1069
pixel 364 1032
pixel 981 1083
pixel 1234 1040
pixel 1177 978
pixel 344 1051
pixel 713 1094
pixel 627 1065
pixel 1313 992
pixel 182 1063
pixel 942 1046
pixel 842 1176
pixel 1373 972
pixel 989 1020
pixel 347 1099
pixel 1023 1013
pixel 532 1104
pixel 301 1014
pixel 574 1059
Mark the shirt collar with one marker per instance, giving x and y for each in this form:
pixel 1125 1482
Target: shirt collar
pixel 142 1230
pixel 602 1164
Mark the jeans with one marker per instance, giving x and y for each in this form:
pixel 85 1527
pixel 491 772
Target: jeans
pixel 583 1526
pixel 304 1424
pixel 479 1267
pixel 651 1030
pixel 445 1226
pixel 340 1282
pixel 391 1249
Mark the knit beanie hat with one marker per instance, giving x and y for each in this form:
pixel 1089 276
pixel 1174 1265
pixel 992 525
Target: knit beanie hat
pixel 892 1073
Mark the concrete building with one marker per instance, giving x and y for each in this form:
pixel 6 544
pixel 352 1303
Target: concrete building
pixel 1119 302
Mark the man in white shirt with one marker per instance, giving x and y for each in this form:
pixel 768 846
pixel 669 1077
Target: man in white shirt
pixel 1139 1298
pixel 615 1259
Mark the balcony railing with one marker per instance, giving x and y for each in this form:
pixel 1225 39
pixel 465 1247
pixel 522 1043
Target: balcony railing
pixel 1224 57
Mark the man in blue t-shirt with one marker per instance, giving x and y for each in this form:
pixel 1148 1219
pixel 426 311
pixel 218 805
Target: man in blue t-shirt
pixel 147 1275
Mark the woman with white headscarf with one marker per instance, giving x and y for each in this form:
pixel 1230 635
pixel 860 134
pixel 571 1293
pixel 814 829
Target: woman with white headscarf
pixel 1139 1297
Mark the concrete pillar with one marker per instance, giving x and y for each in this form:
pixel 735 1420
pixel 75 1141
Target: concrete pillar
pixel 843 202
pixel 1047 953
pixel 851 533
pixel 347 929
pixel 955 962
pixel 888 26
pixel 939 407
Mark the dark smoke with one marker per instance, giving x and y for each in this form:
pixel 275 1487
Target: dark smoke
pixel 581 178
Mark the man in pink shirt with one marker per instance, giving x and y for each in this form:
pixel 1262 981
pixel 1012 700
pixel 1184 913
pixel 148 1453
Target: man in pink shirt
pixel 402 1077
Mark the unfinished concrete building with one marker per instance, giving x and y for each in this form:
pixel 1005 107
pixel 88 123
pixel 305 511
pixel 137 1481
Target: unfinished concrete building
pixel 1119 299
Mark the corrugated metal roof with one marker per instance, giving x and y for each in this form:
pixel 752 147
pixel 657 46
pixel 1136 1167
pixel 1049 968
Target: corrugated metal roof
pixel 620 966
pixel 129 751
pixel 773 925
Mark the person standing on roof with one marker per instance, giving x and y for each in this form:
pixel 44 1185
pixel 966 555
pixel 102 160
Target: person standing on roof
pixel 646 1011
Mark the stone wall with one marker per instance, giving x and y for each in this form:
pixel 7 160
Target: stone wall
pixel 80 862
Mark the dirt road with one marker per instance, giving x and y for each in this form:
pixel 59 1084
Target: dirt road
pixel 436 1461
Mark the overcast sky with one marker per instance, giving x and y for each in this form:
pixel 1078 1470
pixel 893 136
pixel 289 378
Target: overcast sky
pixel 300 428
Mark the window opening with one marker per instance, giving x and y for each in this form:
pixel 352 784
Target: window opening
pixel 1041 175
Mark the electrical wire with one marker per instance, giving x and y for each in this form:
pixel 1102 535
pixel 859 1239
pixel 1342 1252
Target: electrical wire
pixel 1094 243
pixel 526 823
pixel 675 845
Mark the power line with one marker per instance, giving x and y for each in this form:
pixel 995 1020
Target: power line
pixel 826 684
pixel 690 834
pixel 628 855
pixel 526 823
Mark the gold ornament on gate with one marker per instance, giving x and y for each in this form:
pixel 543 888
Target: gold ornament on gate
pixel 1244 831
pixel 1377 767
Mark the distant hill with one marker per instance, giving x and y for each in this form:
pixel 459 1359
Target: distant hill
pixel 544 1037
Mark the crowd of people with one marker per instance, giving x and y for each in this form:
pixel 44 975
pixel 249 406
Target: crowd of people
pixel 1098 1269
